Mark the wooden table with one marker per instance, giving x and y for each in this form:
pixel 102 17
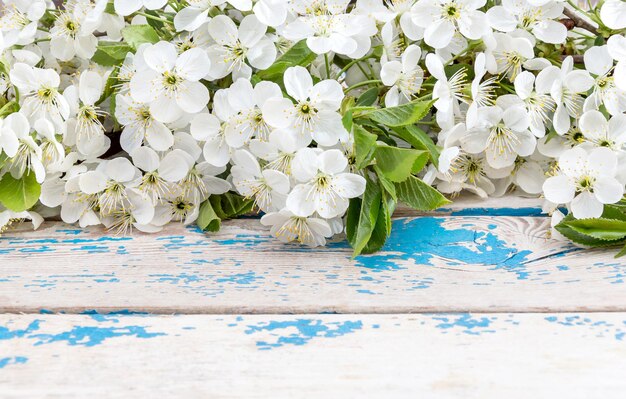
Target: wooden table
pixel 469 302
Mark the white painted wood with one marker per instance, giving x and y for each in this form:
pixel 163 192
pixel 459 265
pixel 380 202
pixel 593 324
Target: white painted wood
pixel 485 356
pixel 431 264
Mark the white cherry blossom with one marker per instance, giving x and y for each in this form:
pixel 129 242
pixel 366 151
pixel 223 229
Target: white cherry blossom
pixel 585 182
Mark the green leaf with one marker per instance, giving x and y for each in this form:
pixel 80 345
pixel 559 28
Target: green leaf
pixel 368 98
pixel 298 54
pixel 361 231
pixel 109 86
pixel 111 53
pixel 155 23
pixel 230 205
pixel 19 194
pixel 621 253
pixel 614 212
pixel 402 115
pixel 600 228
pixel 4 69
pixel 135 35
pixel 9 108
pixel 580 238
pixel 346 120
pixel 420 140
pixel 388 207
pixel 386 184
pixel 419 195
pixel 397 164
pixel 207 218
pixel 364 145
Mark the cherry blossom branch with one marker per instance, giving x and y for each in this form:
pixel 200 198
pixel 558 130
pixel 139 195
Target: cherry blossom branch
pixel 580 22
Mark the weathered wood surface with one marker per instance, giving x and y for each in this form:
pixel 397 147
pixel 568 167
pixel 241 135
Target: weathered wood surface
pixel 314 356
pixel 430 264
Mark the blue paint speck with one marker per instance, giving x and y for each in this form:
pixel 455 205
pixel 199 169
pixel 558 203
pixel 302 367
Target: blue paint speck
pixel 5 361
pixel 306 330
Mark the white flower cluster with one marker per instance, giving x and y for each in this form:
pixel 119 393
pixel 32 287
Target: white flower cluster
pixel 135 113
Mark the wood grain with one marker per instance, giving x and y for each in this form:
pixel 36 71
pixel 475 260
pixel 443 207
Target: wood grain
pixel 314 356
pixel 430 264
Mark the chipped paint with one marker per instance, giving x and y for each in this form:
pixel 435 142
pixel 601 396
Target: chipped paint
pixel 5 361
pixel 466 323
pixel 299 332
pixel 599 328
pixel 424 240
pixel 77 335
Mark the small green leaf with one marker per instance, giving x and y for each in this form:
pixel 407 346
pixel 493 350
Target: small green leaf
pixel 402 115
pixel 135 35
pixel 361 231
pixel 368 98
pixel 580 238
pixel 600 228
pixel 346 120
pixel 230 205
pixel 207 218
pixel 364 145
pixel 9 108
pixel 111 53
pixel 19 194
pixel 385 183
pixel 109 86
pixel 621 253
pixel 420 140
pixel 397 164
pixel 298 54
pixel 388 207
pixel 4 69
pixel 419 195
pixel 157 24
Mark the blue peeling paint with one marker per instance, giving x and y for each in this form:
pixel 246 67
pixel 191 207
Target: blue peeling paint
pixel 466 323
pixel 306 329
pixel 91 336
pixel 600 328
pixel 5 361
pixel 240 278
pixel 5 333
pixel 83 336
pixel 244 240
pixel 422 239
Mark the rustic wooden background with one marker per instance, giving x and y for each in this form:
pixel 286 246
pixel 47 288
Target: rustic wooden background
pixel 472 301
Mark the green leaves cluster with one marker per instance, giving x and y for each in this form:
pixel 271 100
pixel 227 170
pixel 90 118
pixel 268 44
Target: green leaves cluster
pixel 390 171
pixel 222 207
pixel 607 230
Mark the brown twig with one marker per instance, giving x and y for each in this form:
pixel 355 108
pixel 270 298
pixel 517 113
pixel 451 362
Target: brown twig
pixel 580 22
pixel 578 58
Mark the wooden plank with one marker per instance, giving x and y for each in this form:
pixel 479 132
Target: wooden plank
pixel 264 356
pixel 430 264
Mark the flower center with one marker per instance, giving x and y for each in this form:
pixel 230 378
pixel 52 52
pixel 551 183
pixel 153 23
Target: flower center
pixel 296 228
pixel 451 11
pixel 112 198
pixel 585 183
pixel 323 182
pixel 46 95
pixel 153 185
pixel 181 208
pixel 170 80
